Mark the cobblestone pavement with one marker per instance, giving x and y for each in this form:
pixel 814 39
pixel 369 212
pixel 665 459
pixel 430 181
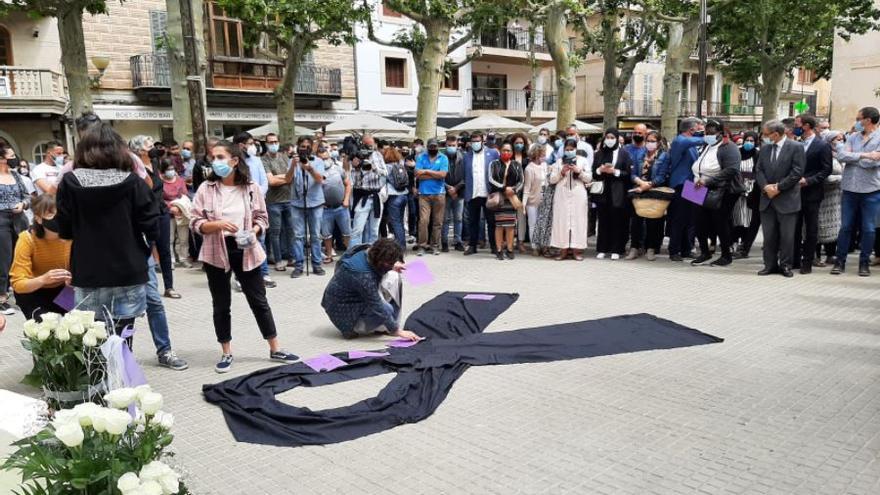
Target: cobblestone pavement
pixel 789 403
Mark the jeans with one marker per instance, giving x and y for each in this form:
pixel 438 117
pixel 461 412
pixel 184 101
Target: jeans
pixel 280 219
pixel 678 223
pixel 156 311
pixel 365 229
pixel 163 246
pixel 851 204
pixel 431 209
pixel 314 234
pixel 454 211
pixel 119 303
pixel 412 214
pixel 338 217
pixel 254 291
pixel 396 208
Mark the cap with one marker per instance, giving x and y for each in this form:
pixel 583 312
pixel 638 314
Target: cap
pixel 432 142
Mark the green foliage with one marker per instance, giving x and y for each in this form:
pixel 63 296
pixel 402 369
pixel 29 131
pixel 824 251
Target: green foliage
pixel 755 37
pixel 53 8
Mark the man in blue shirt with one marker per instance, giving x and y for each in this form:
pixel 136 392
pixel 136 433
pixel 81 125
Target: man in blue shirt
pixel 248 146
pixel 682 155
pixel 637 152
pixel 308 206
pixel 431 169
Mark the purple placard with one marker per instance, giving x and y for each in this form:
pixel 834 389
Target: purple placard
pixel 65 298
pixel 417 273
pixel 402 343
pixel 364 354
pixel 479 297
pixel 324 362
pixel 694 194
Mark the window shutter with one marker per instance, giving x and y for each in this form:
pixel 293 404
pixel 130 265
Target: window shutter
pixel 158 27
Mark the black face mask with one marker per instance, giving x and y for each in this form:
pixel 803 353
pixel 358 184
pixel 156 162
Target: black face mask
pixel 432 151
pixel 50 224
pixel 638 138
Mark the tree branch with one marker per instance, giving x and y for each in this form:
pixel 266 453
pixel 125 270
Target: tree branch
pixel 478 51
pixel 371 34
pixel 400 8
pixel 461 41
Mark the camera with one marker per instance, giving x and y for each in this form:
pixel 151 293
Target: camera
pixel 569 160
pixel 354 147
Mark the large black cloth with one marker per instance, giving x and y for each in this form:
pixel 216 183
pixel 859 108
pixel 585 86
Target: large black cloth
pixel 427 371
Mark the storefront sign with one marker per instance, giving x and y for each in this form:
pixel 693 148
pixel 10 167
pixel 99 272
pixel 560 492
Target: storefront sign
pixel 117 112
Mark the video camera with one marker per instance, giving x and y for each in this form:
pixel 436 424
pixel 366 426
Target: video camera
pixel 354 147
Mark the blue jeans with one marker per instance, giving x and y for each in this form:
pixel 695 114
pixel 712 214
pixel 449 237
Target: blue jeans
pixel 336 217
pixel 365 229
pixel 299 235
pixel 454 212
pixel 280 220
pixel 396 209
pixel 156 311
pixel 370 322
pixel 851 204
pixel 122 303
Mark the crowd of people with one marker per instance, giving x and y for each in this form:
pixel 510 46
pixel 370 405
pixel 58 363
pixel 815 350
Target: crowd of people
pixel 109 219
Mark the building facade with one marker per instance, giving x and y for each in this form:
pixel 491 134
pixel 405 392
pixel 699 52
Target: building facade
pixel 856 76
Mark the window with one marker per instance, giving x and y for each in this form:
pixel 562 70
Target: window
pixel 489 92
pixel 450 82
pixel 5 47
pixel 39 154
pixel 806 76
pixel 158 28
pixel 648 94
pixel 388 12
pixel 395 72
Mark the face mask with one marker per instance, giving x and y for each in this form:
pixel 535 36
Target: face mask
pixel 638 138
pixel 557 143
pixel 59 161
pixel 570 153
pixel 476 146
pixel 334 154
pixel 451 150
pixel 859 127
pixel 432 151
pixel 767 140
pixel 252 150
pixel 419 150
pixel 519 146
pixel 506 156
pixel 273 148
pixel 798 131
pixel 748 146
pixel 50 224
pixel 186 154
pixel 170 174
pixel 23 171
pixel 651 145
pixel 711 139
pixel 610 142
pixel 542 139
pixel 699 134
pixel 840 146
pixel 221 168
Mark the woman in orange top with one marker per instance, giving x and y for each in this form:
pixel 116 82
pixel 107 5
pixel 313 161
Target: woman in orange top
pixel 40 269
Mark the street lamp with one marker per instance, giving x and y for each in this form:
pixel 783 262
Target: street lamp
pixel 701 79
pixel 101 62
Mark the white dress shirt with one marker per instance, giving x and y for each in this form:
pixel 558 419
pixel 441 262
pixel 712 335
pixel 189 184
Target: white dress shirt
pixel 479 174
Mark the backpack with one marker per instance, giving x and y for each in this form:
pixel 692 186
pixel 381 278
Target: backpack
pixel 397 176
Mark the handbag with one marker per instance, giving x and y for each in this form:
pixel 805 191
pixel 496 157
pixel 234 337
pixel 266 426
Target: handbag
pixel 496 199
pixel 597 187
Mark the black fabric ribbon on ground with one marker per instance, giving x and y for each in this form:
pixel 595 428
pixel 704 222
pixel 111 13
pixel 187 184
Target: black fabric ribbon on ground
pixel 427 371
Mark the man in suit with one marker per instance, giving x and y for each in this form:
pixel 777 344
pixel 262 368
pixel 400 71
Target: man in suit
pixel 816 170
pixel 778 173
pixel 476 190
pixel 683 152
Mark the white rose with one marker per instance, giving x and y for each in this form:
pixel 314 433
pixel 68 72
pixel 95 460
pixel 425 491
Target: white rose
pixel 99 420
pixel 143 390
pixel 150 403
pixel 82 317
pixel 86 412
pixel 51 318
pixel 99 330
pixel 62 334
pixel 31 327
pixel 128 482
pixel 164 419
pixel 154 471
pixel 89 339
pixel 64 417
pixel 151 488
pixel 121 398
pixel 170 483
pixel 117 421
pixel 43 333
pixel 70 434
pixel 77 329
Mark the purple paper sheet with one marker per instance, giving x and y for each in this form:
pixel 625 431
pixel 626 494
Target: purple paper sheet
pixel 364 354
pixel 694 194
pixel 479 297
pixel 401 343
pixel 417 273
pixel 324 362
pixel 65 298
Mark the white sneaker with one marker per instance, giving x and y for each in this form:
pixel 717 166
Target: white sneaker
pixel 600 256
pixel 615 256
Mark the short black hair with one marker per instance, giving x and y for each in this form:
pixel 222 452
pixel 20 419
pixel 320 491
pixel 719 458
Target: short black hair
pixel 171 143
pixel 384 253
pixel 53 144
pixel 476 134
pixel 417 141
pixel 715 125
pixel 870 113
pixel 300 140
pixel 241 138
pixel 101 147
pixel 808 119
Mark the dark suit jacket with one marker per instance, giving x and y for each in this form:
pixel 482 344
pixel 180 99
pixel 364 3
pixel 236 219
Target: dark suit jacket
pixel 816 170
pixel 491 156
pixel 786 172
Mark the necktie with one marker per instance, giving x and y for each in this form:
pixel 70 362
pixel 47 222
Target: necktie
pixel 774 153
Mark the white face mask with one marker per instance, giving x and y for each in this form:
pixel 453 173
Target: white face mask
pixel 651 145
pixel 610 142
pixel 767 140
pixel 542 139
pixel 252 150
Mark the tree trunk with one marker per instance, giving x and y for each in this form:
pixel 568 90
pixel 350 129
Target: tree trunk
pixel 73 58
pixel 285 94
pixel 556 36
pixel 180 109
pixel 770 88
pixel 610 92
pixel 430 71
pixel 533 75
pixel 682 39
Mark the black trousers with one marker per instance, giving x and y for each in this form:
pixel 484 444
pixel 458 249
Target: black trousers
pixel 163 246
pixel 475 207
pixel 8 238
pixel 678 222
pixel 254 291
pixel 39 302
pixel 778 231
pixel 654 233
pixel 746 235
pixel 612 229
pixel 716 222
pixel 806 233
pixel 637 231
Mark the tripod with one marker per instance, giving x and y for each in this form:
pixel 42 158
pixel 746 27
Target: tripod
pixel 307 240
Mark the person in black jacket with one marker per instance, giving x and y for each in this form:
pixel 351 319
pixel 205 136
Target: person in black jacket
pixel 613 167
pixel 454 199
pixel 717 169
pixel 812 184
pixel 112 218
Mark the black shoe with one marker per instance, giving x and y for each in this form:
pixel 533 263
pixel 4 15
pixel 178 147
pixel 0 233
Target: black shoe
pixel 838 269
pixel 508 254
pixel 722 261
pixel 297 273
pixel 318 271
pixel 688 256
pixel 675 257
pixel 445 248
pixel 864 270
pixel 701 259
pixel 470 250
pixel 499 256
pixel 459 246
pixel 806 269
pixel 786 272
pixel 768 271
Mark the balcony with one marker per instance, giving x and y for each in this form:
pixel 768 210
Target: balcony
pixel 730 111
pixel 511 102
pixel 32 90
pixel 241 80
pixel 510 45
pixel 639 108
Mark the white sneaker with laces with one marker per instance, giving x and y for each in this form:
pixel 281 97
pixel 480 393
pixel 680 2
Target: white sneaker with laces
pixel 600 256
pixel 615 256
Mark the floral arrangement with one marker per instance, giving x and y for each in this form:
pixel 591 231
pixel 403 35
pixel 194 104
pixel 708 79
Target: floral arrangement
pixel 68 363
pixel 92 450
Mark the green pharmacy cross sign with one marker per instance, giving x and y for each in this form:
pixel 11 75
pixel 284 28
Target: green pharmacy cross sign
pixel 801 106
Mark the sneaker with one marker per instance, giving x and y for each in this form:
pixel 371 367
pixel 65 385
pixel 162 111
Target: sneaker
pixel 445 248
pixel 675 257
pixel 281 266
pixel 633 254
pixel 699 260
pixel 236 286
pixel 6 308
pixel 410 240
pixel 600 256
pixel 437 251
pixel 297 273
pixel 837 269
pixel 169 359
pixel 319 271
pixel 420 252
pixel 864 270
pixel 499 256
pixel 615 256
pixel 270 284
pixel 650 256
pixel 722 261
pixel 183 264
pixel 283 357
pixel 225 364
pixel 459 246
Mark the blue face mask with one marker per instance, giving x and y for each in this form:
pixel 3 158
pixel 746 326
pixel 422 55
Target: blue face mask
pixel 840 146
pixel 710 139
pixel 59 161
pixel 334 154
pixel 859 127
pixel 221 168
pixel 519 146
pixel 558 143
pixel 570 153
pixel 186 154
pixel 798 131
pixel 477 146
pixel 451 150
pixel 699 134
pixel 273 148
pixel 748 146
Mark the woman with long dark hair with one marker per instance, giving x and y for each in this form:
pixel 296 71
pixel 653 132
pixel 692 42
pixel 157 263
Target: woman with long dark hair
pixel 14 200
pixel 613 167
pixel 506 179
pixel 654 173
pixel 230 212
pixel 746 216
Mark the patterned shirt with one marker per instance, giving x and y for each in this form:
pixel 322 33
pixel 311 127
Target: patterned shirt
pixel 859 175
